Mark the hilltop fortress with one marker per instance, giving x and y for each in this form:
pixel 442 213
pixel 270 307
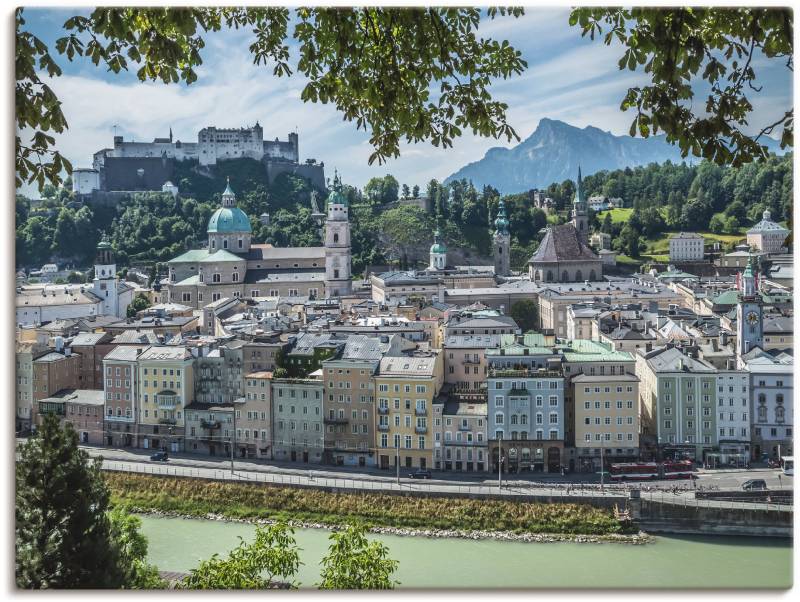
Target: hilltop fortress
pixel 136 166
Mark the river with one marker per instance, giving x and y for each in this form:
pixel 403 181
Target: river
pixel 697 562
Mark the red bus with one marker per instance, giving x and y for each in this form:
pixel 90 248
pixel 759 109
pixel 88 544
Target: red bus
pixel 678 469
pixel 634 470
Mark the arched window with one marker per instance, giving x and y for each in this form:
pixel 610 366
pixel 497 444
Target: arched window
pixel 224 243
pixel 564 276
pixel 335 237
pixel 549 275
pixel 523 419
pixel 779 413
pixel 241 243
pixel 498 418
pixel 513 419
pixel 235 277
pixel 216 278
pixel 578 275
pixel 213 243
pixel 592 276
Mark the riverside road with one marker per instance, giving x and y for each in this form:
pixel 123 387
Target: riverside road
pixel 374 479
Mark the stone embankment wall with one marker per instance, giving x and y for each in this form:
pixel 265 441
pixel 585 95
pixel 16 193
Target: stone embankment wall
pixel 655 516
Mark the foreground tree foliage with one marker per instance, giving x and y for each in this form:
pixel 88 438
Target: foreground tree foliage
pixel 65 536
pixel 354 562
pixel 256 565
pixel 721 46
pixel 377 66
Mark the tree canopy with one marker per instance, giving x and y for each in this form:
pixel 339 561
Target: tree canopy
pixel 401 74
pixel 355 562
pixel 720 46
pixel 255 565
pixel 66 538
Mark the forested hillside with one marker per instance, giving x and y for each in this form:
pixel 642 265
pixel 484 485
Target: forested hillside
pixel 153 227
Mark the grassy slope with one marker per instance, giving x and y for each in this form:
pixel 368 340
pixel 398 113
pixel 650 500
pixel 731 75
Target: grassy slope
pixel 658 248
pixel 197 497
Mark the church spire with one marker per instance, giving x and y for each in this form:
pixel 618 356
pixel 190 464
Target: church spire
pixel 170 134
pixel 579 202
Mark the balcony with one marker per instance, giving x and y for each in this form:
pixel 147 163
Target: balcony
pixel 523 373
pixel 421 411
pixel 210 424
pixel 383 427
pixel 167 400
pixel 420 430
pixel 519 393
pixel 332 420
pixel 56 409
pixel 383 411
pixel 170 421
pixel 461 427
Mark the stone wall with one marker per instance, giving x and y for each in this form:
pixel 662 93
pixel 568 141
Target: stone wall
pixel 726 518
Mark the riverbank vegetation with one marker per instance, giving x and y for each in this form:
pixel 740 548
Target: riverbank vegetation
pixel 196 497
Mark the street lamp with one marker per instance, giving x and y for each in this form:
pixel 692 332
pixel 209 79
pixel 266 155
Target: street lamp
pixel 602 457
pixel 500 463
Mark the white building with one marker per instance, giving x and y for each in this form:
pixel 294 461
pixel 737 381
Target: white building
pixel 41 304
pixel 767 236
pixel 212 144
pixel 771 391
pixel 84 180
pixel 686 246
pixel 733 412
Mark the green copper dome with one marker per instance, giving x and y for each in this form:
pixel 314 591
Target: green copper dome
pixel 337 198
pixel 438 246
pixel 229 219
pixel 501 223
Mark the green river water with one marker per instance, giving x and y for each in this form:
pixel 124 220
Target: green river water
pixel 693 562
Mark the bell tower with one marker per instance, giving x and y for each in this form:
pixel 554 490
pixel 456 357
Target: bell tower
pixel 501 240
pixel 749 314
pixel 104 284
pixel 337 243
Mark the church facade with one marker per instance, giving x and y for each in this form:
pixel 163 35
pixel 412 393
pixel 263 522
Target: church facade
pixel 232 266
pixel 564 254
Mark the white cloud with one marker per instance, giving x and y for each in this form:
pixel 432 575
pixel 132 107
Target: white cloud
pixel 568 78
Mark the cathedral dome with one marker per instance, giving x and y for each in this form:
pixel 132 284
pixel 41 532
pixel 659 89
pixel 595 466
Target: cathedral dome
pixel 438 247
pixel 229 219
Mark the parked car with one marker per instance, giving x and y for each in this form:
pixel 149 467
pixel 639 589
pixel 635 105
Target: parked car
pixel 755 485
pixel 161 456
pixel 421 473
pixel 772 463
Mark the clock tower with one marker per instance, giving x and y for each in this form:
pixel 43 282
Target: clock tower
pixel 749 318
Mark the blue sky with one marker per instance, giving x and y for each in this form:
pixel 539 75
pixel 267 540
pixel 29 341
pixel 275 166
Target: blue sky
pixel 568 78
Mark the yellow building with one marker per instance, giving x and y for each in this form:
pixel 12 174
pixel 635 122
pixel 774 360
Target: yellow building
pixel 167 387
pixel 405 387
pixel 606 419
